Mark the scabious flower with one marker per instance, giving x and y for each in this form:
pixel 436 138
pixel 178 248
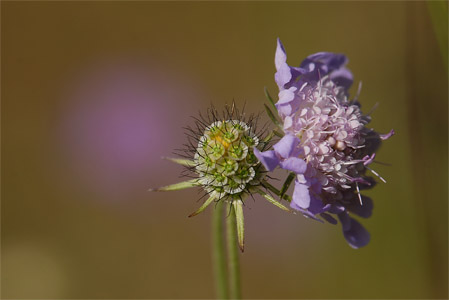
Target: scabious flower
pixel 219 157
pixel 326 144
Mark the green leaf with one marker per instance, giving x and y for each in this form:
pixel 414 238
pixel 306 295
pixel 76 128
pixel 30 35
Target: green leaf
pixel 272 200
pixel 238 208
pixel 271 116
pixel 267 95
pixel 205 204
pixel 286 185
pixel 177 186
pixel 180 161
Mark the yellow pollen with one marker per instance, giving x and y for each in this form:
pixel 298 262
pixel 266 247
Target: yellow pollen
pixel 221 141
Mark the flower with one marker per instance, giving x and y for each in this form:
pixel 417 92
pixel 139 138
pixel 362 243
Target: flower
pixel 326 144
pixel 220 158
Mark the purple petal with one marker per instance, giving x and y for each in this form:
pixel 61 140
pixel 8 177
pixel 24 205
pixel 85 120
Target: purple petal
pixel 317 206
pixel 305 212
pixel 294 164
pixel 286 96
pixel 342 77
pixel 365 210
pixel 336 209
pixel 355 234
pixel 329 218
pixel 283 74
pixel 345 220
pixel 301 195
pixel 325 63
pixel 284 110
pixel 286 146
pixel 267 158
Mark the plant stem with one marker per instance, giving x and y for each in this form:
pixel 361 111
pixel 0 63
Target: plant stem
pixel 218 252
pixel 233 255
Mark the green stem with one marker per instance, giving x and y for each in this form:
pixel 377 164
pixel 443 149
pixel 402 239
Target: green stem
pixel 218 254
pixel 233 255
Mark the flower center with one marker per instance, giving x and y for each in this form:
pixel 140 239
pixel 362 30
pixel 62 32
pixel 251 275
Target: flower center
pixel 225 160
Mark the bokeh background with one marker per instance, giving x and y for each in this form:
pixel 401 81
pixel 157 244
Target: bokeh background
pixel 94 93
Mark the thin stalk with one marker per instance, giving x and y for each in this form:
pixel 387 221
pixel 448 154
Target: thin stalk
pixel 218 252
pixel 233 256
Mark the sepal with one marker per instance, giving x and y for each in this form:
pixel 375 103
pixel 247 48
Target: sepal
pixel 272 200
pixel 205 204
pixel 177 186
pixel 238 209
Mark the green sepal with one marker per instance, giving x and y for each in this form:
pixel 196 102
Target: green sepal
pixel 238 209
pixel 205 204
pixel 272 200
pixel 181 161
pixel 268 96
pixel 177 186
pixel 268 137
pixel 287 183
pixel 277 133
pixel 272 116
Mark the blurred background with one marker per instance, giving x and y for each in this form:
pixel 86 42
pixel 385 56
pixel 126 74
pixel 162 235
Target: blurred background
pixel 94 93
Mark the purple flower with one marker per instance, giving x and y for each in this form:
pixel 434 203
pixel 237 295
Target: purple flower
pixel 326 143
pixel 312 69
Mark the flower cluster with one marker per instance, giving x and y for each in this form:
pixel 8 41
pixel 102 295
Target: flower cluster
pixel 220 158
pixel 224 159
pixel 326 144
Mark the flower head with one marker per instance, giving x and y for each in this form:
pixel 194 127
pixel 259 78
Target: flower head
pixel 224 159
pixel 220 158
pixel 326 143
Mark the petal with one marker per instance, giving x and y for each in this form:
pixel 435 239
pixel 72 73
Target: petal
pixel 286 96
pixel 294 164
pixel 345 220
pixel 286 146
pixel 267 158
pixel 329 218
pixel 284 110
pixel 305 212
pixel 301 195
pixel 326 63
pixel 365 210
pixel 283 74
pixel 336 209
pixel 317 206
pixel 288 122
pixel 342 77
pixel 357 236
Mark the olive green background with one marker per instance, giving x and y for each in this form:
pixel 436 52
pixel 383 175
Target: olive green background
pixel 94 93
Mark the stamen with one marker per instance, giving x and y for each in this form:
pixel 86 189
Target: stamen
pixel 375 173
pixel 358 192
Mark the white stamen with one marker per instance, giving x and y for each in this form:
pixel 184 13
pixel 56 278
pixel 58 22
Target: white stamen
pixel 358 192
pixel 375 173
